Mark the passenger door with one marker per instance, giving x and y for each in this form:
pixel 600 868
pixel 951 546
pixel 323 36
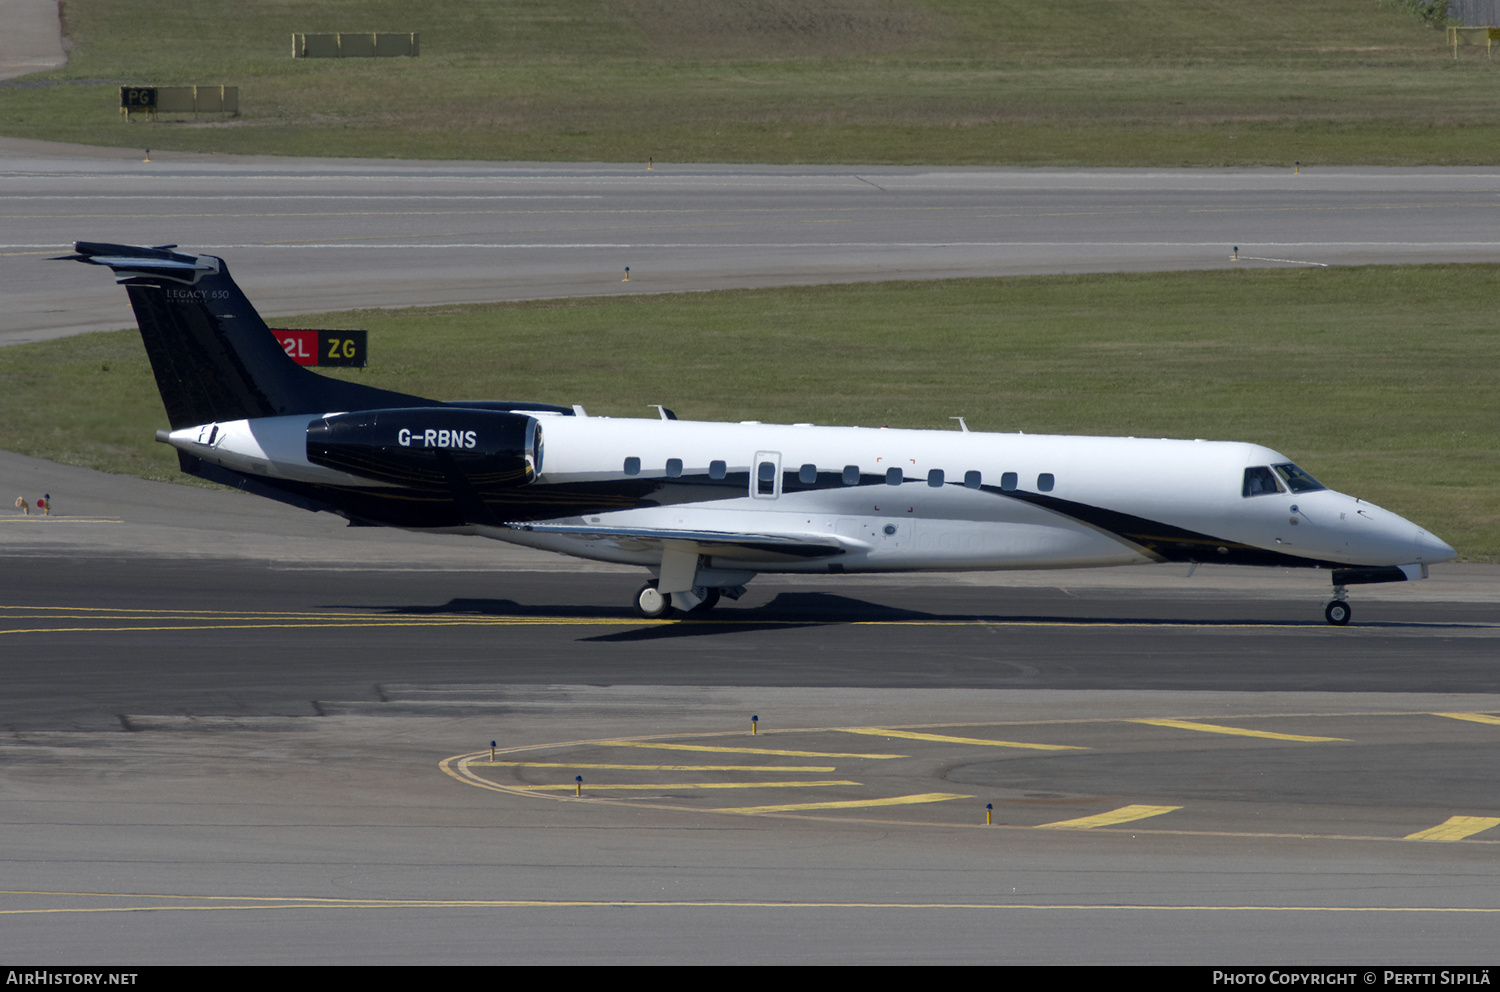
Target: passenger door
pixel 765 475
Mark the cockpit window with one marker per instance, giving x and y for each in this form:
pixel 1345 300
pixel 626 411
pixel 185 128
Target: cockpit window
pixel 1297 480
pixel 1259 481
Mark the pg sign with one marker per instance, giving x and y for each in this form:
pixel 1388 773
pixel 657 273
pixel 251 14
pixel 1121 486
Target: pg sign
pixel 348 349
pixel 138 98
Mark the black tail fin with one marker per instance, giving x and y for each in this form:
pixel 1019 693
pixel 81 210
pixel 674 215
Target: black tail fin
pixel 214 358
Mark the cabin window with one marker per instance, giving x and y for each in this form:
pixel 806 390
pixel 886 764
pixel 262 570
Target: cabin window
pixel 972 479
pixel 808 474
pixel 1259 481
pixel 674 468
pixel 851 475
pixel 893 477
pixel 935 478
pixel 1009 481
pixel 1297 480
pixel 717 469
pixel 632 465
pixel 1045 482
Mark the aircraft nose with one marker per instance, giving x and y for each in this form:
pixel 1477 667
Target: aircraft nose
pixel 1432 549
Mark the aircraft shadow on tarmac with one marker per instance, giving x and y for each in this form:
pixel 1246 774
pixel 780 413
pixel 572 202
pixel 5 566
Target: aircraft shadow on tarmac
pixel 787 609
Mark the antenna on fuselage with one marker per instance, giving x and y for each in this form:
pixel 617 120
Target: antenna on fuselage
pixel 961 425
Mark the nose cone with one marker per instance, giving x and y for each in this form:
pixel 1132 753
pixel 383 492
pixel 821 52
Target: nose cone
pixel 1376 537
pixel 1431 549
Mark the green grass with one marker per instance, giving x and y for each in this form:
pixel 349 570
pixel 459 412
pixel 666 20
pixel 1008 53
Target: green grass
pixel 1088 82
pixel 1380 380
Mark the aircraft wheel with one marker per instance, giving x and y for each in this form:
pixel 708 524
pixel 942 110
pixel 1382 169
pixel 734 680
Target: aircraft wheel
pixel 709 601
pixel 650 603
pixel 1337 612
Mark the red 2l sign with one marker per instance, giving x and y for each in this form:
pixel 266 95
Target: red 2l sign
pixel 301 346
pixel 307 347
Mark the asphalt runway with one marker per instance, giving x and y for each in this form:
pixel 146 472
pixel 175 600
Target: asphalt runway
pixel 313 235
pixel 236 732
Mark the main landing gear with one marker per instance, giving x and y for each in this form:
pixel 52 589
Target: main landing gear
pixel 653 604
pixel 1337 612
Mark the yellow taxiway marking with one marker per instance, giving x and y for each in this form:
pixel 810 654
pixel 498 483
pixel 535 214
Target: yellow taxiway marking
pixel 1456 828
pixel 673 786
pixel 114 610
pixel 244 626
pixel 925 797
pixel 654 768
pixel 152 902
pixel 458 768
pixel 1214 728
pixel 744 750
pixel 1472 717
pixel 1122 815
pixel 941 739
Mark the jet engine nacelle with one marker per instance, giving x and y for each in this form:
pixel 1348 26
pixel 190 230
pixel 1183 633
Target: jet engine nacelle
pixel 427 447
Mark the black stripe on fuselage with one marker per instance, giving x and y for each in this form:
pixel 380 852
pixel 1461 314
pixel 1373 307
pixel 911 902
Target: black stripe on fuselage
pixel 1164 542
pixel 422 508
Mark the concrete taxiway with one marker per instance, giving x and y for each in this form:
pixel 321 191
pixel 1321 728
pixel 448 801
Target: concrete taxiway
pixel 237 732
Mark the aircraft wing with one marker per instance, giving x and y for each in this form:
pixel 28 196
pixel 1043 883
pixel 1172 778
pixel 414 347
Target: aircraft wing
pixel 738 545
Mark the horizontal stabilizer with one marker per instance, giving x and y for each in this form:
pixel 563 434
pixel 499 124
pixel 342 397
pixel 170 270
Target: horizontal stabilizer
pixel 214 359
pixel 129 262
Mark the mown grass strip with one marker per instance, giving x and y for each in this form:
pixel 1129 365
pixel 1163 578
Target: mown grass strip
pixel 1089 82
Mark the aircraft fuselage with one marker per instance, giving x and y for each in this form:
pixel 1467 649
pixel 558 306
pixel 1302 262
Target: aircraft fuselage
pixel 877 499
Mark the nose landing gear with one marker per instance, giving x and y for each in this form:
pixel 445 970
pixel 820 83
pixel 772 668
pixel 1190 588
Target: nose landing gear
pixel 1337 612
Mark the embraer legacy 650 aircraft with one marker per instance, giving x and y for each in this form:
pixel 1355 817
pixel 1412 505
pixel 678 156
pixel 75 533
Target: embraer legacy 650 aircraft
pixel 707 506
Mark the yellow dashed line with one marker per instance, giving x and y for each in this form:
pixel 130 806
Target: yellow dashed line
pixel 926 797
pixel 1213 728
pixel 1122 815
pixel 654 768
pixel 744 750
pixel 912 735
pixel 674 786
pixel 1456 828
pixel 1472 717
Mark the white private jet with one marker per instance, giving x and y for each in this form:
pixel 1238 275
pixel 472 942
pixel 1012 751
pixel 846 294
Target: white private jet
pixel 707 506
